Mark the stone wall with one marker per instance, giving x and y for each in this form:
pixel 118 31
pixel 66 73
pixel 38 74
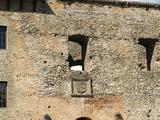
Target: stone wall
pixel 36 65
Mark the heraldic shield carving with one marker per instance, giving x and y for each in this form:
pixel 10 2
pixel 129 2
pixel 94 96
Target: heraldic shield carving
pixel 81 88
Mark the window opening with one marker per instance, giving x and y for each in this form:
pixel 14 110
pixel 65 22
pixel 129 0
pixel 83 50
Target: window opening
pixel 3 30
pixel 149 45
pixel 3 94
pixel 77 51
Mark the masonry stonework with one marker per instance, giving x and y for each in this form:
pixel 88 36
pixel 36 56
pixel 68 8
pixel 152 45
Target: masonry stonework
pixel 36 65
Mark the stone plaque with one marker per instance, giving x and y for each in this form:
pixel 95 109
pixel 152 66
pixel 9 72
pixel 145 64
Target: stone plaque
pixel 81 88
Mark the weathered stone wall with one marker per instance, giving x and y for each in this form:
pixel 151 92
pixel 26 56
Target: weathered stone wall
pixel 35 63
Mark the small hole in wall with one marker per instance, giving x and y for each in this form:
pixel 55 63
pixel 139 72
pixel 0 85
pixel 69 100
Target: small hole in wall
pixel 77 51
pixel 49 106
pixel 158 59
pixel 147 9
pixel 90 57
pixel 109 7
pixel 149 45
pixel 148 115
pixel 45 62
pixel 141 66
pixel 55 34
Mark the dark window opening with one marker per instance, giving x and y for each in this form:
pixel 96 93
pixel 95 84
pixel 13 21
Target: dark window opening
pixel 83 118
pixel 3 94
pixel 3 30
pixel 149 45
pixel 77 51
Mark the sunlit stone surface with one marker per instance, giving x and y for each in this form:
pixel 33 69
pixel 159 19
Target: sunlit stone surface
pixel 76 68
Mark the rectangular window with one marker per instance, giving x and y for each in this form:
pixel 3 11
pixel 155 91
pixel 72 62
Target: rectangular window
pixel 77 51
pixel 3 30
pixel 146 53
pixel 3 94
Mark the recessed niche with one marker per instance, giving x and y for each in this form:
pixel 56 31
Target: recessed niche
pixel 146 52
pixel 118 116
pixel 47 117
pixel 77 52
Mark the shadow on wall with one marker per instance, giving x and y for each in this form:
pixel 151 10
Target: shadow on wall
pixel 37 6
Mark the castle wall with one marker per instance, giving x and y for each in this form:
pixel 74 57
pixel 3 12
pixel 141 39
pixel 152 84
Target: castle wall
pixel 36 66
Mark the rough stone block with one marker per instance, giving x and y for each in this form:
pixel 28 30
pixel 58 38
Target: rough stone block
pixel 75 50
